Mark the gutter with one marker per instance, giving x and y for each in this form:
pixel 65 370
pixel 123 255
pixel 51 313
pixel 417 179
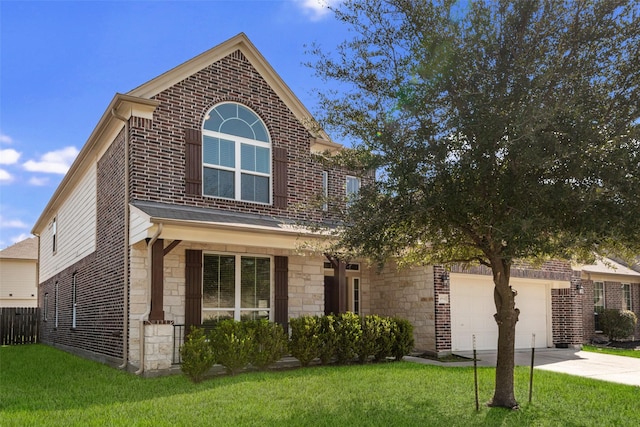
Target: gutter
pixel 125 283
pixel 148 310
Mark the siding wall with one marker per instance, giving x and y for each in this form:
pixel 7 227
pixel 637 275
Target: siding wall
pixel 18 287
pixel 76 229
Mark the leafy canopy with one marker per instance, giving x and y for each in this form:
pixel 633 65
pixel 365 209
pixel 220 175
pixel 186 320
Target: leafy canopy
pixel 499 130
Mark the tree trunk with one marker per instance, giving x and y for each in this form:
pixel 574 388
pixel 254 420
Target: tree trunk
pixel 506 317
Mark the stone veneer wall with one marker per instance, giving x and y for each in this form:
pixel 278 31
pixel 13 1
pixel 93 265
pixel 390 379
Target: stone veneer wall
pixel 407 293
pixel 306 289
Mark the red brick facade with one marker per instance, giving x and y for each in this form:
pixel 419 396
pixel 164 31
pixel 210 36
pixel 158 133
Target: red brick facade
pixel 99 276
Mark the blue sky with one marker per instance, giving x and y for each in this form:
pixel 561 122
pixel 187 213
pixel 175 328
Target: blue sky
pixel 61 62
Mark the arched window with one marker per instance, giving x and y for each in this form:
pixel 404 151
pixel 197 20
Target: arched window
pixel 236 154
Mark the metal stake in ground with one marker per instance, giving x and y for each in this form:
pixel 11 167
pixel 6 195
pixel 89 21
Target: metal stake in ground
pixel 533 352
pixel 475 372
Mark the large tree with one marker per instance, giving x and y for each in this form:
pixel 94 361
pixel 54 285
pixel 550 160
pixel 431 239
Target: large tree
pixel 499 131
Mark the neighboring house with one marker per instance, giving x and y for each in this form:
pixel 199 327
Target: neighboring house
pixel 18 274
pixel 186 204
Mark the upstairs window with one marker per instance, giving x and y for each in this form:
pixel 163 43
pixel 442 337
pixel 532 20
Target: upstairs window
pixel 54 235
pixel 353 188
pixel 236 155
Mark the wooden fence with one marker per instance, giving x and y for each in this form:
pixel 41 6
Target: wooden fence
pixel 19 325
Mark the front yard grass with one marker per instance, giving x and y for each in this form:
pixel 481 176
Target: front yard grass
pixel 610 350
pixel 43 386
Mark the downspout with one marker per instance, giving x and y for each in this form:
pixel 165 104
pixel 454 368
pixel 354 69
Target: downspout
pixel 146 313
pixel 125 321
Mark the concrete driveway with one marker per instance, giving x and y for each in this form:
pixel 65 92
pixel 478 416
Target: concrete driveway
pixel 606 367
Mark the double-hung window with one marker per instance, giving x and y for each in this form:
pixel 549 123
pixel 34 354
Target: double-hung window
pixel 626 297
pixel 353 188
pixel 236 287
pixel 598 301
pixel 236 154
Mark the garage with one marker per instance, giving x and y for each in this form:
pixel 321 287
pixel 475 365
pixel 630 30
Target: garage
pixel 473 307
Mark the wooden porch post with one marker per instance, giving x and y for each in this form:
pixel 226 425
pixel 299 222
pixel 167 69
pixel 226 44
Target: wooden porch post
pixel 157 280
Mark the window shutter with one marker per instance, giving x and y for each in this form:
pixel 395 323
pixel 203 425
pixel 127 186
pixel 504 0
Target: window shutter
pixel 193 289
pixel 193 161
pixel 281 316
pixel 280 178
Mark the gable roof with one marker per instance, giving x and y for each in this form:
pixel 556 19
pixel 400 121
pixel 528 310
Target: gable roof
pixel 239 42
pixel 609 266
pixel 138 102
pixel 25 249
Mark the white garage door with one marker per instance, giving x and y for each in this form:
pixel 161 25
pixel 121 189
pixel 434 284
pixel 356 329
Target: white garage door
pixel 472 310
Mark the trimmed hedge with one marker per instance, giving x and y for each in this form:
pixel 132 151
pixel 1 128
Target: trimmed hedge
pixel 342 338
pixel 617 324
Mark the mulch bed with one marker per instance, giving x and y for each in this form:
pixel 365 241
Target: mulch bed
pixel 629 345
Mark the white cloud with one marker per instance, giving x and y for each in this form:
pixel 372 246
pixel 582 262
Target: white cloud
pixel 5 176
pixel 12 223
pixel 20 237
pixel 5 139
pixel 57 161
pixel 38 182
pixel 9 156
pixel 317 9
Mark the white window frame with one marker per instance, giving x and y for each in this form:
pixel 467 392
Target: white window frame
pixel 54 234
pixel 237 169
pixel 74 300
pixel 356 295
pixel 626 296
pixel 56 300
pixel 45 304
pixel 237 308
pixel 350 194
pixel 595 307
pixel 325 190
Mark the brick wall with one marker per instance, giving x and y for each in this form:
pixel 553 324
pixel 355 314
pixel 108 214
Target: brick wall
pixel 158 158
pixel 99 276
pixel 612 299
pixel 442 307
pixel 567 315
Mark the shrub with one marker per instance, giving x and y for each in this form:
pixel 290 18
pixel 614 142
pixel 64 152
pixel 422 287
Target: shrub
pixel 328 339
pixel 197 355
pixel 304 343
pixel 367 345
pixel 384 345
pixel 402 337
pixel 348 331
pixel 232 345
pixel 617 324
pixel 269 342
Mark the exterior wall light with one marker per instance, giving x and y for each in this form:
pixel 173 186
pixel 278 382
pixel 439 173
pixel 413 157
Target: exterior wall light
pixel 445 279
pixel 580 288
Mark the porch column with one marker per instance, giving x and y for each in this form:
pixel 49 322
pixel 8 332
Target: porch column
pixel 157 280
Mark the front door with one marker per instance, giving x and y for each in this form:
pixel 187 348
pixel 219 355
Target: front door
pixel 330 295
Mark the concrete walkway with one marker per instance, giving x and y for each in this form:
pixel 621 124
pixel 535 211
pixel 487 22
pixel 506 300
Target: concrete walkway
pixel 606 367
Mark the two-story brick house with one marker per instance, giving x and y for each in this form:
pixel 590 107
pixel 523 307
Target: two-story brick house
pixel 188 202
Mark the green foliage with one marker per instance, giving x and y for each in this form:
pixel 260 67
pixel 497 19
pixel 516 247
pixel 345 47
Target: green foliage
pixel 349 332
pixel 617 324
pixel 197 355
pixel 269 342
pixel 304 343
pixel 386 338
pixel 328 339
pixel 370 339
pixel 402 338
pixel 232 345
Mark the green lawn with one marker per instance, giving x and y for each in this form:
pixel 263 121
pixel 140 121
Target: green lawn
pixel 43 386
pixel 610 350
